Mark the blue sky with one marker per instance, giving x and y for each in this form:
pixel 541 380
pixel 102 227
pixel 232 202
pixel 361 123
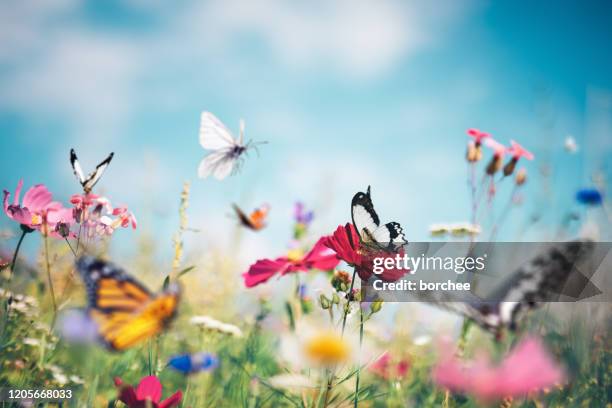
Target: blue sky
pixel 347 94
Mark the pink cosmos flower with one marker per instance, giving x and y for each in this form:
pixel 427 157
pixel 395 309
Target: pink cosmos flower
pixel 385 368
pixel 345 243
pixel 477 135
pixel 98 216
pixel 37 209
pixel 527 368
pixel 148 393
pixel 517 151
pixel 320 257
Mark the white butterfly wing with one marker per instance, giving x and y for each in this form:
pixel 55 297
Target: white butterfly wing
pixel 218 164
pixel 76 167
pixel 214 135
pixel 224 168
pixel 93 178
pixel 363 220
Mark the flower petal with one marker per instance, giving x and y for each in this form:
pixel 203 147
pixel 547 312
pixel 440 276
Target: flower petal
pixel 171 401
pixel 149 388
pixel 264 269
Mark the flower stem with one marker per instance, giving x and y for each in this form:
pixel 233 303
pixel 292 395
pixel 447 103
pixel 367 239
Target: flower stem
pixel 51 290
pixel 71 249
pixel 347 308
pixel 356 400
pixel 16 253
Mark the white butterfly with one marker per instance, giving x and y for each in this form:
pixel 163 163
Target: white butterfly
pixel 227 152
pixel 388 236
pixel 90 181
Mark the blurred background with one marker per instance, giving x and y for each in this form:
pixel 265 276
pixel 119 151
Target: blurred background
pixel 347 93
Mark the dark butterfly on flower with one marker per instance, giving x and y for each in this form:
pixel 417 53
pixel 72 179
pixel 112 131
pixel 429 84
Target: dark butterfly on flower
pixel 526 289
pixel 256 220
pixel 388 237
pixel 92 178
pixel 126 313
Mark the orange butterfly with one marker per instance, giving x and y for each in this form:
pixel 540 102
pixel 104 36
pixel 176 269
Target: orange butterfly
pixel 256 220
pixel 125 312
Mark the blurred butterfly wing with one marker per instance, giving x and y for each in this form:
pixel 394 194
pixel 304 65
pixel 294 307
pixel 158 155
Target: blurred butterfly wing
pixel 526 289
pixel 243 218
pixel 124 310
pixel 535 281
pixel 109 288
pixel 219 164
pixel 95 176
pixel 213 133
pixel 363 215
pixel 76 167
pixel 120 332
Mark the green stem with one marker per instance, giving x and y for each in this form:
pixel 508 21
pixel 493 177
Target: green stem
pixel 16 253
pixel 330 378
pixel 51 290
pixel 356 401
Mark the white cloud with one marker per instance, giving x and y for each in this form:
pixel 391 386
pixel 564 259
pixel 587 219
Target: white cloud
pixel 358 38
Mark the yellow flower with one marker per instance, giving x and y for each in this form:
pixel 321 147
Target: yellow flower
pixel 327 348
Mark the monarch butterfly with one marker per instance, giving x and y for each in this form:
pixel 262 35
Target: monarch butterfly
pixel 126 313
pixel 90 181
pixel 256 220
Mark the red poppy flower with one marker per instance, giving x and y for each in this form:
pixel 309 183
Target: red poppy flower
pixel 320 257
pixel 147 394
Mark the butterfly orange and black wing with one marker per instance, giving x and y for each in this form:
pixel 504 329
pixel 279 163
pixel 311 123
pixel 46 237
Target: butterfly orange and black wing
pixel 124 310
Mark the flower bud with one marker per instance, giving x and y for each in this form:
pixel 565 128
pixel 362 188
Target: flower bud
pixel 325 303
pixel 335 299
pixel 62 229
pixel 494 165
pixel 474 152
pixel 521 177
pixel 376 305
pixel 509 167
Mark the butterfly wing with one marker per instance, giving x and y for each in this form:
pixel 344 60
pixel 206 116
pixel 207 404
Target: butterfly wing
pixel 219 164
pixel 76 167
pixel 365 219
pixel 95 176
pixel 214 135
pixel 527 288
pixel 389 236
pixel 124 310
pixel 244 219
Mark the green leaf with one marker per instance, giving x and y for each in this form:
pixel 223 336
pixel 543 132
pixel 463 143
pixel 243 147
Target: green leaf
pixel 184 271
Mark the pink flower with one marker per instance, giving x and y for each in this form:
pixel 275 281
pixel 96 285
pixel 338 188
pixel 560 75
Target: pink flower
pixel 320 257
pixel 528 368
pixel 477 135
pixel 37 209
pixel 517 151
pixel 498 149
pixel 345 243
pixel 148 393
pixel 96 214
pixel 387 369
pixel 127 218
